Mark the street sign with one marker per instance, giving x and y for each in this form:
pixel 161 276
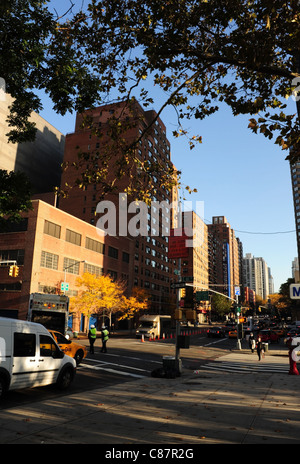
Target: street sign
pixel 177 244
pixel 187 278
pixel 295 291
pixel 237 290
pixel 178 285
pixel 64 286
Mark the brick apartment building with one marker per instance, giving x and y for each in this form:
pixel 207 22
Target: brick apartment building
pixel 224 250
pixel 196 264
pixel 149 265
pixel 44 244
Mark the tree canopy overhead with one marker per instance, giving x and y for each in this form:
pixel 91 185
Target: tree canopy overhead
pixel 200 53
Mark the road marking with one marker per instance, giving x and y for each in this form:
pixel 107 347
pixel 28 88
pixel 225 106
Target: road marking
pixel 113 371
pixel 118 365
pixel 216 341
pixel 245 367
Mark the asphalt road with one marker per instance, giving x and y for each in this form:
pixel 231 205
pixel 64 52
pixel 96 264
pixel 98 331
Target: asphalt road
pixel 127 359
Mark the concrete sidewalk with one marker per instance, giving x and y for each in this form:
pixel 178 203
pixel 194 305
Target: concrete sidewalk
pixel 195 408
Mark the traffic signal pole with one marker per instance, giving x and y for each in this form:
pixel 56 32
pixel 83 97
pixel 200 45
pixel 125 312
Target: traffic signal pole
pixel 238 343
pixel 177 349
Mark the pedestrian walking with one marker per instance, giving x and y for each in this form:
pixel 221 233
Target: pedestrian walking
pixel 92 338
pixel 252 342
pixel 104 336
pixel 293 356
pixel 259 348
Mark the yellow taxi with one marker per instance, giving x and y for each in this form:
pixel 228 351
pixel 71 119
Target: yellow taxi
pixel 232 333
pixel 75 350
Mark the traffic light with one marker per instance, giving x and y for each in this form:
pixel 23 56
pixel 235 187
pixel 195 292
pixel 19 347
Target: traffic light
pixel 238 310
pixel 15 271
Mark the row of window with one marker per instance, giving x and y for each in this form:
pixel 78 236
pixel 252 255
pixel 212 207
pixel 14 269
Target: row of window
pixel 54 230
pixel 151 285
pixel 50 261
pixel 50 228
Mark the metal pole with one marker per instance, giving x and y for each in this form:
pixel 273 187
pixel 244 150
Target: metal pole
pixel 177 349
pixel 238 343
pixel 65 269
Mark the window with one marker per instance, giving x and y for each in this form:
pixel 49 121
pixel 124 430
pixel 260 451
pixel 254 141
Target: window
pixel 52 229
pixel 71 266
pixel 91 269
pixel 24 344
pixel 113 252
pixel 12 255
pixel 12 226
pixel 47 346
pixel 49 260
pixel 125 257
pixel 73 237
pixel 113 275
pixel 94 245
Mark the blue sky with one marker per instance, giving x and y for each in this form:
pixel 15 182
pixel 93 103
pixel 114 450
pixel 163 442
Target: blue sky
pixel 237 174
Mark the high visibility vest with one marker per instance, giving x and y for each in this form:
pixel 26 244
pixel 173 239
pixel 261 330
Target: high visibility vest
pixel 105 335
pixel 93 333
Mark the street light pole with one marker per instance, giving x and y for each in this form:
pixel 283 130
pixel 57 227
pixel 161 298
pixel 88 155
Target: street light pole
pixel 67 267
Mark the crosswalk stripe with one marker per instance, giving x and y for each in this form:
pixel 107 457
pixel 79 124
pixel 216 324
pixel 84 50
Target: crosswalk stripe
pixel 113 371
pixel 245 368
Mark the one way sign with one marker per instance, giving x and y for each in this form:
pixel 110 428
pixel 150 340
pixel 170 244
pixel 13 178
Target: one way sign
pixel 295 291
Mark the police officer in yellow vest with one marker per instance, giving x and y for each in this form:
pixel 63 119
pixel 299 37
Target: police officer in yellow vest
pixel 92 337
pixel 104 336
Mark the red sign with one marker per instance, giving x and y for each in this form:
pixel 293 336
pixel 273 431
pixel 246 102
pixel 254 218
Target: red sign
pixel 178 244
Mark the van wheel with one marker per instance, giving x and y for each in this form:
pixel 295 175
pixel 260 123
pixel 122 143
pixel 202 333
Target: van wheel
pixel 65 378
pixel 78 357
pixel 3 387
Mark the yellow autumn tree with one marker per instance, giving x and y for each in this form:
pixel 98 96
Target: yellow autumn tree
pixel 102 296
pixel 139 301
pixel 97 295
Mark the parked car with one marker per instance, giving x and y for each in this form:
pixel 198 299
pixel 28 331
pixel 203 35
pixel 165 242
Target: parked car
pixel 280 331
pixel 268 335
pixel 291 334
pixel 73 349
pixel 216 332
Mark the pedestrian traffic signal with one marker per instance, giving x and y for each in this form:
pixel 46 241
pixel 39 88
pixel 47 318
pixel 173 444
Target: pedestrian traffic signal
pixel 238 310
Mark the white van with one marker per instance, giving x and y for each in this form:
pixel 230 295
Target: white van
pixel 29 357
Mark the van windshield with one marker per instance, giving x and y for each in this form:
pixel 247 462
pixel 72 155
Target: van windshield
pixel 146 324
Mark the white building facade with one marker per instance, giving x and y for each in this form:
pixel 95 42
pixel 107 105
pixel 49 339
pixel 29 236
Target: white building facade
pixel 256 275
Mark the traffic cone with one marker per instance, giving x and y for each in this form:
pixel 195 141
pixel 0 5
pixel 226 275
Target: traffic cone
pixel 163 336
pixel 142 339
